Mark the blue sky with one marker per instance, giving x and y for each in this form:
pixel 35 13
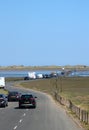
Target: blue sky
pixel 44 32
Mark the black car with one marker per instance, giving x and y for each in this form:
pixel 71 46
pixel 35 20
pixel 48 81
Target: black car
pixel 14 96
pixel 3 100
pixel 46 76
pixel 26 78
pixel 27 100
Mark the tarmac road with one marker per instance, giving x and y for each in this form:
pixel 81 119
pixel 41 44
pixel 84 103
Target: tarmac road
pixel 47 115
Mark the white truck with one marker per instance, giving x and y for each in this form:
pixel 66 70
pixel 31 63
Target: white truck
pixel 32 75
pixel 2 82
pixel 39 76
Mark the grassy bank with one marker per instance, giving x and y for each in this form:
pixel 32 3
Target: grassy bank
pixel 14 79
pixel 76 89
pixel 2 91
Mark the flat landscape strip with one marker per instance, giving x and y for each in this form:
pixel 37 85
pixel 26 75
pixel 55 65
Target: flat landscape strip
pixel 74 88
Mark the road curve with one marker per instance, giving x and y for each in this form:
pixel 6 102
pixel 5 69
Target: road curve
pixel 47 115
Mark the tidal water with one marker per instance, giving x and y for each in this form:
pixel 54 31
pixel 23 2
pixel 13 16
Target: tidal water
pixel 24 73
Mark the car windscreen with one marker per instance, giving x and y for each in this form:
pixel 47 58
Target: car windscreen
pixel 26 96
pixel 13 93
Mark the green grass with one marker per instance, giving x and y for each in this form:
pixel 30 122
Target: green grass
pixel 2 91
pixel 76 88
pixel 13 79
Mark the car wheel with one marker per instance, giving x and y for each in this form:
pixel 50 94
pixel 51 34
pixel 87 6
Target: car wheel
pixel 34 106
pixel 7 104
pixel 19 106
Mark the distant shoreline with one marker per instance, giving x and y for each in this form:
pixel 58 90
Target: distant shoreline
pixel 77 67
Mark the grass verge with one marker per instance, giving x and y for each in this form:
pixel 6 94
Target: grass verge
pixel 3 91
pixel 76 88
pixel 11 79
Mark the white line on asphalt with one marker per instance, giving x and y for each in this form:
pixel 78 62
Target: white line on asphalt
pixel 26 109
pixel 24 114
pixel 15 127
pixel 20 121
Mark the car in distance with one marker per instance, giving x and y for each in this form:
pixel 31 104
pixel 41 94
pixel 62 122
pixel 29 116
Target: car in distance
pixel 27 100
pixel 3 100
pixel 46 76
pixel 26 78
pixel 14 96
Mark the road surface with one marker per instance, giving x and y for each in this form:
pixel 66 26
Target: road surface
pixel 47 115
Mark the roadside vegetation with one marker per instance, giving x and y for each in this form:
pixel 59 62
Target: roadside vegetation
pixel 11 79
pixel 75 88
pixel 52 67
pixel 3 91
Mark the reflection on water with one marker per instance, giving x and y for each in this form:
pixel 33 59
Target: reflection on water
pixel 80 73
pixel 24 73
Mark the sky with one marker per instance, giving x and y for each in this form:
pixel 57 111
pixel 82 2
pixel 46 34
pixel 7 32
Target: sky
pixel 44 32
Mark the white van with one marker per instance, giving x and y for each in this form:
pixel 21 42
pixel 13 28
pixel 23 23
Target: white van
pixel 32 75
pixel 2 82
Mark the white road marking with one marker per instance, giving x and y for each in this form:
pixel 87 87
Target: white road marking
pixel 26 109
pixel 24 114
pixel 15 127
pixel 20 121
